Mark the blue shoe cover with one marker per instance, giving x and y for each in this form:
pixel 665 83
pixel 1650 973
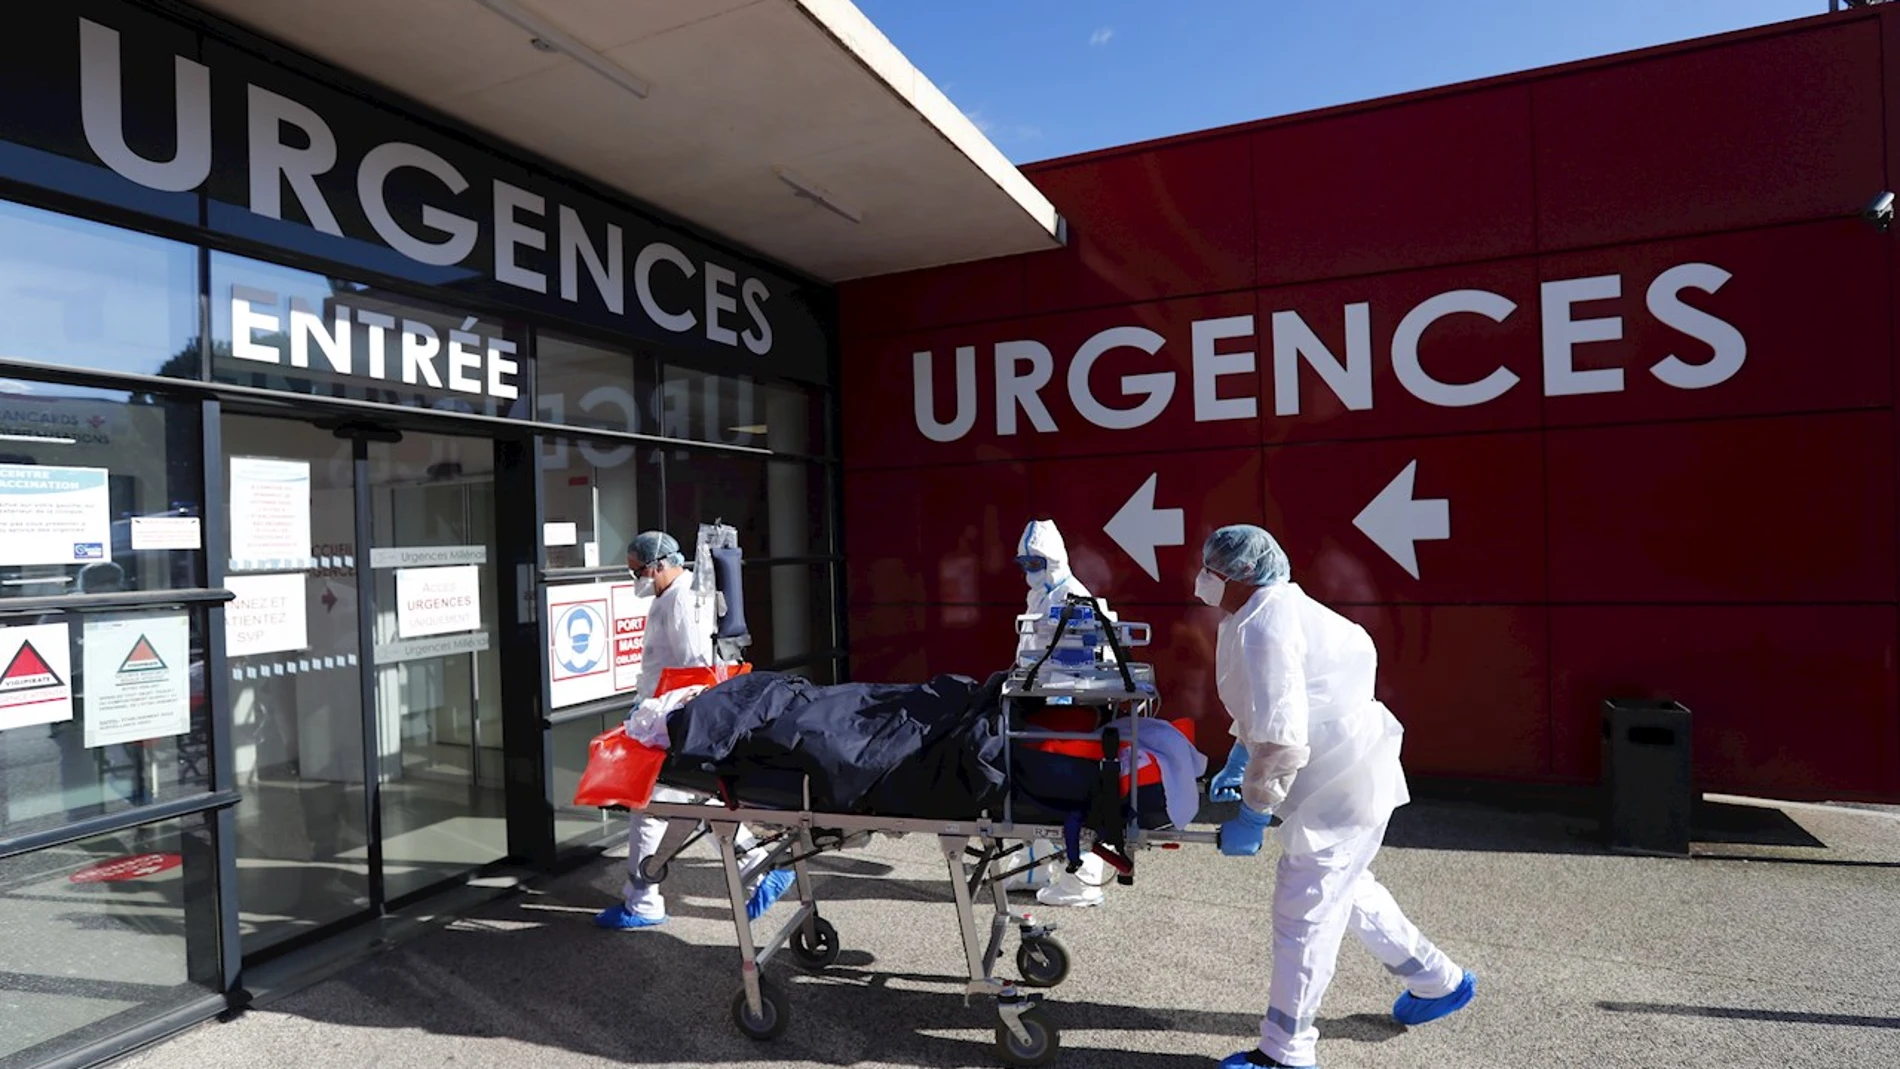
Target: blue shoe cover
pixel 1256 1059
pixel 620 918
pixel 774 885
pixel 1410 1009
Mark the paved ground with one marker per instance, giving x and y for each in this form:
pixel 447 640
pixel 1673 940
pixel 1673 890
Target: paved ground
pixel 1773 948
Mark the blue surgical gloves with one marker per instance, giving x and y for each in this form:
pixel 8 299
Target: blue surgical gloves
pixel 1241 836
pixel 1225 786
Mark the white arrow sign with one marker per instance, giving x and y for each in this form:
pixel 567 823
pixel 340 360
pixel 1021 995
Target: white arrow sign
pixel 1139 528
pixel 1396 521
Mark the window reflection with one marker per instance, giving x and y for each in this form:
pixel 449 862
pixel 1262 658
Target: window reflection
pixel 597 495
pixel 82 294
pixel 585 385
pixel 739 410
pixel 100 934
pixel 140 529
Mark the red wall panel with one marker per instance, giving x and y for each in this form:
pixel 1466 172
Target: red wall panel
pixel 1469 682
pixel 911 643
pixel 938 535
pixel 1784 509
pixel 959 293
pixel 1728 540
pixel 1788 701
pixel 1491 487
pixel 1776 129
pixel 1809 303
pixel 1426 182
pixel 1147 226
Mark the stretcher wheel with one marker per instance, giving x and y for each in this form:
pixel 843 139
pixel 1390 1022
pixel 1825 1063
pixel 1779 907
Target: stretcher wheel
pixel 1041 1048
pixel 820 951
pixel 1043 961
pixel 651 873
pixel 774 1013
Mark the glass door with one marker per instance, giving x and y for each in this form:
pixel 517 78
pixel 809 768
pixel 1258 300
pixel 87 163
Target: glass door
pixel 365 684
pixel 441 798
pixel 292 639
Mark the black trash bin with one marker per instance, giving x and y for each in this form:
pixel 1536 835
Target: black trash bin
pixel 1648 788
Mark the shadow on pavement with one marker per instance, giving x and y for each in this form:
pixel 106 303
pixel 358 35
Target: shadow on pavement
pixel 1737 1014
pixel 650 997
pixel 1362 1028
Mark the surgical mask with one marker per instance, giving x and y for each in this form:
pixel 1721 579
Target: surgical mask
pixel 643 587
pixel 1209 588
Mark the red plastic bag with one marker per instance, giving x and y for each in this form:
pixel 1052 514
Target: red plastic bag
pixel 619 771
pixel 1075 718
pixel 623 772
pixel 675 678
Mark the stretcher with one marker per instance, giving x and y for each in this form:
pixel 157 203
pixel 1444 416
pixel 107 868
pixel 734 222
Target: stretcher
pixel 980 853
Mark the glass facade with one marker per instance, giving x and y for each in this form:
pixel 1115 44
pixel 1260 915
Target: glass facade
pixel 307 496
pixel 289 564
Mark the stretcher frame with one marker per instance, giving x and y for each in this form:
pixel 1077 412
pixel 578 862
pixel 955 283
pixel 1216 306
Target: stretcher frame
pixel 976 852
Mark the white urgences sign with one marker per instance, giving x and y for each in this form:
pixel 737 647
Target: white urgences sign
pixel 438 601
pixel 1024 368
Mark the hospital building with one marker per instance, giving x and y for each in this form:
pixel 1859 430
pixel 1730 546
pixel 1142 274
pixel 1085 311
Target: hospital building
pixel 345 346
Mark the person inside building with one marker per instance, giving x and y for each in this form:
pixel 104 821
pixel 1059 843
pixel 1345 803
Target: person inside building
pixel 1313 747
pixel 1044 560
pixel 678 635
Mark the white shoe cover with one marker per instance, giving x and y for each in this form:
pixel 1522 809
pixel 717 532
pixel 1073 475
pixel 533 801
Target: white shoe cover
pixel 1039 878
pixel 1083 887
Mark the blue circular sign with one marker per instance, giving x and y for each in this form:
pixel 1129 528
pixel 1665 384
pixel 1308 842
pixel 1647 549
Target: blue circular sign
pixel 580 639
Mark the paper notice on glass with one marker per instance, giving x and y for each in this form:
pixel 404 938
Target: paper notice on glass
pixel 54 515
pixel 138 679
pixel 166 532
pixel 36 676
pixel 558 533
pixel 267 615
pixel 270 512
pixel 438 601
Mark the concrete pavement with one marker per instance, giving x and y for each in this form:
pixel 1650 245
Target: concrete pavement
pixel 1773 948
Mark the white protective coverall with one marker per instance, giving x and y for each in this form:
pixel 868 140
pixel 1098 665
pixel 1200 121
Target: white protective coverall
pixel 678 635
pixel 1049 588
pixel 1323 755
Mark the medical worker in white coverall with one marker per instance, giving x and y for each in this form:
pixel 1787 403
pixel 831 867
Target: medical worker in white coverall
pixel 1313 746
pixel 1044 559
pixel 678 635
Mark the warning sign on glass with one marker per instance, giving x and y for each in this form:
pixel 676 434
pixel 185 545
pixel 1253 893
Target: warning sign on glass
pixel 35 676
pixel 138 683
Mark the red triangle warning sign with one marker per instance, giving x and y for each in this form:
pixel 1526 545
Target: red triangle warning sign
pixel 28 671
pixel 143 658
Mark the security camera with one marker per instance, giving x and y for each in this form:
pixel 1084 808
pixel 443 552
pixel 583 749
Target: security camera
pixel 1879 211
